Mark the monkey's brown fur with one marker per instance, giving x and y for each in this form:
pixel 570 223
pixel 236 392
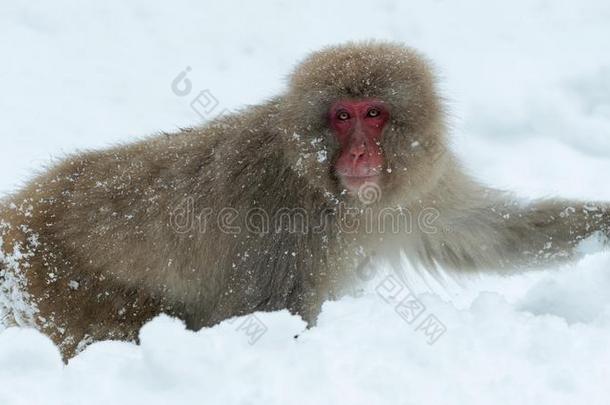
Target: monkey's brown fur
pixel 98 245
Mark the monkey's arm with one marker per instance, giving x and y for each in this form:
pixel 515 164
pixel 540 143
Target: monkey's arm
pixel 505 235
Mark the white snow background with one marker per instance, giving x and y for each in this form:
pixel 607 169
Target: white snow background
pixel 528 86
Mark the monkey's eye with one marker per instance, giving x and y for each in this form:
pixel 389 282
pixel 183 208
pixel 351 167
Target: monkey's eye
pixel 343 115
pixel 373 112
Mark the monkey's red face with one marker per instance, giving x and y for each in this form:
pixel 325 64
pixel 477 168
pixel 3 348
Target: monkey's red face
pixel 358 127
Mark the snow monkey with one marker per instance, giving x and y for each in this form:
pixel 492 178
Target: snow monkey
pixel 271 207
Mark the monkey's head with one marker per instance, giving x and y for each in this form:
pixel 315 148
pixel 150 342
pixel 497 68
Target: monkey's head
pixel 365 115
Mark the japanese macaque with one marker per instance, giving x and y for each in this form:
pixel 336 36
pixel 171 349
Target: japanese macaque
pixel 268 208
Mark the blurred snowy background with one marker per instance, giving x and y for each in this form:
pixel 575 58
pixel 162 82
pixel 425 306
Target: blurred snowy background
pixel 528 85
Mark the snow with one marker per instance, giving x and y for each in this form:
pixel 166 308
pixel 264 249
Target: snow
pixel 528 88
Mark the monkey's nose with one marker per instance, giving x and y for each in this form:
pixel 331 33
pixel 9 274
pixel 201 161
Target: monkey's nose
pixel 357 151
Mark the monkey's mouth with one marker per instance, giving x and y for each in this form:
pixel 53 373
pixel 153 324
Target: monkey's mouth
pixel 355 183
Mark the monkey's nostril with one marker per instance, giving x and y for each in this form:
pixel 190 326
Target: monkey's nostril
pixel 358 151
